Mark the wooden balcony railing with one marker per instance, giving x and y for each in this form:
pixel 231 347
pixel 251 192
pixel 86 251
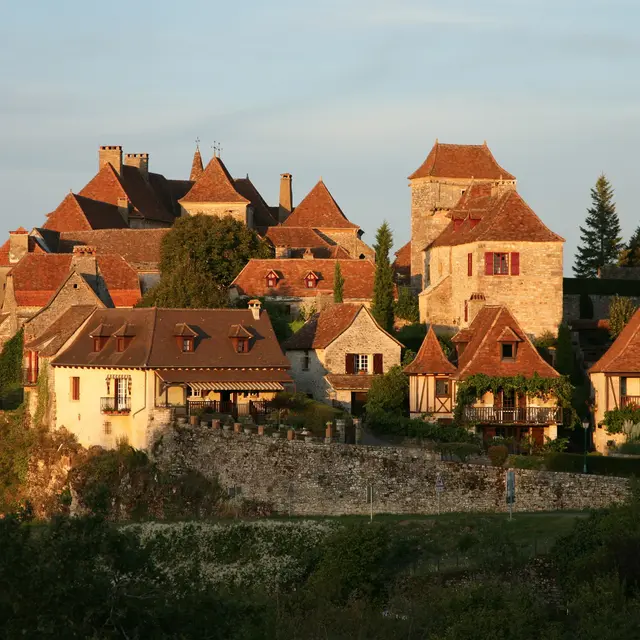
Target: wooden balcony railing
pixel 251 408
pixel 115 405
pixel 518 415
pixel 630 401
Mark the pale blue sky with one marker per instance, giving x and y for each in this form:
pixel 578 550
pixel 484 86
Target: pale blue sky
pixel 353 91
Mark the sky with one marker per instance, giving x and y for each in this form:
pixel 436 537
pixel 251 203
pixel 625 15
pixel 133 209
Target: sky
pixel 353 91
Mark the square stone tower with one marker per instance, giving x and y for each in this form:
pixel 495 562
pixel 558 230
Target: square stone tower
pixel 436 187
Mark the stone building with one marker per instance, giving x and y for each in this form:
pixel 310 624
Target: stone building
pixel 303 285
pixel 474 241
pixel 495 345
pixel 125 372
pixel 338 352
pixel 615 381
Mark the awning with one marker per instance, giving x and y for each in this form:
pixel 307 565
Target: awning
pixel 223 376
pixel 236 386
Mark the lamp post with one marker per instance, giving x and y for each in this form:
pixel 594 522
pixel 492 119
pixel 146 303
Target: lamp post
pixel 585 426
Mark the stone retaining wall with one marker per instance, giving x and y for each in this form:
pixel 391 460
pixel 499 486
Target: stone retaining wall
pixel 318 479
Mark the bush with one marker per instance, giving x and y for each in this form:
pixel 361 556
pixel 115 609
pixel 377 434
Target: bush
pixel 526 462
pixel 460 450
pixel 394 425
pixel 630 448
pixel 389 393
pixel 597 465
pixel 498 454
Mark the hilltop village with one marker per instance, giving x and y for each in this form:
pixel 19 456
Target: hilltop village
pixel 485 269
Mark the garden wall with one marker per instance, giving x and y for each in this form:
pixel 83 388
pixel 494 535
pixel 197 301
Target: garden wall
pixel 319 479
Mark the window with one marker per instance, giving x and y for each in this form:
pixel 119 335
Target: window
pixel 271 281
pixel 500 264
pixel 311 283
pixel 361 363
pixel 195 393
pixel 187 345
pixel 98 343
pixel 106 427
pixel 508 350
pixel 120 345
pixel 470 264
pixel 305 360
pixel 75 388
pixel 442 388
pixel 122 393
pixel 623 386
pixel 242 346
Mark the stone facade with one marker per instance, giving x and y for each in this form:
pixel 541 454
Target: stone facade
pixel 318 479
pixel 449 287
pixel 238 211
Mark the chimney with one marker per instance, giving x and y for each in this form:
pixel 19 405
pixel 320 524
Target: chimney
pixel 254 307
pixel 140 161
pixel 308 254
pixel 124 207
pixel 286 197
pixel 18 245
pixel 112 155
pixel 282 251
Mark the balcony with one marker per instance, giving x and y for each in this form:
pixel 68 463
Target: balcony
pixel 630 401
pixel 518 415
pixel 115 406
pixel 29 377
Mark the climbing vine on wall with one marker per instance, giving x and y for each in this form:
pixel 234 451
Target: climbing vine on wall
pixel 477 385
pixel 42 388
pixel 11 371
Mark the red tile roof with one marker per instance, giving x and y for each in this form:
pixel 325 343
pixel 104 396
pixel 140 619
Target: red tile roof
pixel 49 342
pixel 348 382
pixel 196 166
pixel 295 237
pixel 482 353
pixel 33 247
pixel 320 211
pixel 121 280
pixel 402 264
pixel 77 213
pixel 323 328
pixel 430 358
pixel 504 218
pixel 461 161
pixel 261 213
pixel 358 278
pixel 214 185
pixel 623 356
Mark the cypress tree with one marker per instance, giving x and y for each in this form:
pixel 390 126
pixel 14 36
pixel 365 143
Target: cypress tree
pixel 600 240
pixel 630 255
pixel 338 283
pixel 382 303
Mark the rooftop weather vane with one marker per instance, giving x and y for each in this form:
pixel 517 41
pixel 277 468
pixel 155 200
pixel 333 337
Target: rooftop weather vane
pixel 217 148
pixel 198 142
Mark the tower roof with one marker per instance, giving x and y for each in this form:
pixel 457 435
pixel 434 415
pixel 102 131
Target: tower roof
pixel 430 358
pixel 319 210
pixel 196 166
pixel 214 185
pixel 461 161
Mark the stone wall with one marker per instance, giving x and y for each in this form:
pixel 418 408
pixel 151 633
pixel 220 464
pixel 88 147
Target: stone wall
pixel 240 212
pixel 317 479
pixel 600 303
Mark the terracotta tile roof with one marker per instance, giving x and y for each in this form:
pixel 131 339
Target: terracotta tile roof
pixel 320 211
pixel 261 213
pixel 358 278
pixel 402 264
pixel 77 213
pixel 214 185
pixel 355 382
pixel 196 166
pixel 154 345
pixel 48 238
pixel 623 356
pixel 52 339
pixel 482 353
pixel 121 280
pixel 19 231
pixel 461 161
pixel 504 218
pixel 139 247
pixel 295 237
pixel 182 329
pixel 107 186
pixel 323 328
pixel 430 358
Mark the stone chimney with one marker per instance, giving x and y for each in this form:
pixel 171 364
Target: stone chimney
pixel 18 245
pixel 308 254
pixel 282 251
pixel 286 197
pixel 112 155
pixel 140 161
pixel 254 307
pixel 124 207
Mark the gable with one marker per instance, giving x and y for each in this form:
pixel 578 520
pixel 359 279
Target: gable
pixel 214 185
pixel 319 210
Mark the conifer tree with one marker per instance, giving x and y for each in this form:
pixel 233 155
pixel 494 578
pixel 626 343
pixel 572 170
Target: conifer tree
pixel 338 283
pixel 600 240
pixel 630 255
pixel 382 303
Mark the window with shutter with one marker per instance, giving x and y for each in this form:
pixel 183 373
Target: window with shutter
pixel 350 363
pixel 488 264
pixel 470 264
pixel 377 363
pixel 75 388
pixel 515 264
pixel 466 311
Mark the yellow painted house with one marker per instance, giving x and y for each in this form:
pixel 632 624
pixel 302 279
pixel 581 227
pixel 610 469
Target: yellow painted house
pixel 615 380
pixel 127 371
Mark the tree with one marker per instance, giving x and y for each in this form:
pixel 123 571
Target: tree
pixel 338 284
pixel 621 310
pixel 564 351
pixel 382 303
pixel 407 305
pixel 200 257
pixel 600 237
pixel 389 393
pixel 630 255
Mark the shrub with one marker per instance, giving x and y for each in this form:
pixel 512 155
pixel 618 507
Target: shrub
pixel 616 420
pixel 460 450
pixel 526 462
pixel 389 393
pixel 498 454
pixel 597 465
pixel 630 448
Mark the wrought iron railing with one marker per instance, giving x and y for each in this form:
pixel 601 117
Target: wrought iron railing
pixel 115 405
pixel 517 415
pixel 630 401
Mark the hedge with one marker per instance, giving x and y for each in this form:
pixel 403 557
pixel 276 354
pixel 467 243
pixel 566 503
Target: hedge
pixel 597 465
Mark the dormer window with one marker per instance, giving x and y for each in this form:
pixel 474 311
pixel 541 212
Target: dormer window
pixel 124 335
pixel 457 223
pixel 272 279
pixel 240 338
pixel 311 280
pixel 185 337
pixel 508 342
pixel 100 336
pixel 187 345
pixel 508 350
pixel 242 345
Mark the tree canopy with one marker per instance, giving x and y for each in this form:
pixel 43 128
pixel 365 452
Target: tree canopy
pixel 621 310
pixel 630 255
pixel 338 284
pixel 200 257
pixel 600 241
pixel 382 305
